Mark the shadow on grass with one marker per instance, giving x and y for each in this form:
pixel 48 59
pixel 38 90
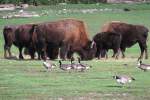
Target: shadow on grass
pixel 115 86
pixel 122 86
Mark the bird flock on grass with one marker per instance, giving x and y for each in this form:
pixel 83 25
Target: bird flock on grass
pixel 78 66
pixel 124 79
pixel 81 67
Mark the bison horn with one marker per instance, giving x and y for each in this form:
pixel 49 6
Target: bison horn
pixel 92 44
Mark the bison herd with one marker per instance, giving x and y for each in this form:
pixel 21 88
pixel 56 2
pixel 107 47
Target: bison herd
pixel 65 37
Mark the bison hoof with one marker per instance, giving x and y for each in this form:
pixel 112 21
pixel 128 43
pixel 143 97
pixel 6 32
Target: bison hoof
pixel 21 58
pixel 123 57
pixel 116 58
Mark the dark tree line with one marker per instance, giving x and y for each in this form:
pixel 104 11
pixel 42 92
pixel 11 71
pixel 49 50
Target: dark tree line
pixel 48 2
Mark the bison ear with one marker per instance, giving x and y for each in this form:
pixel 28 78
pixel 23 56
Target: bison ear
pixel 93 44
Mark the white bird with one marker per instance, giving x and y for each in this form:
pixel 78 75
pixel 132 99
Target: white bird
pixel 123 79
pixel 143 66
pixel 48 66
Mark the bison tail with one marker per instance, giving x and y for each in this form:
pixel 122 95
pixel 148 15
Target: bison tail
pixel 146 33
pixel 33 34
pixel 33 28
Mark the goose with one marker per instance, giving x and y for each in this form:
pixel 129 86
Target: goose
pixel 65 67
pixel 48 66
pixel 123 79
pixel 79 66
pixel 143 66
pixel 84 65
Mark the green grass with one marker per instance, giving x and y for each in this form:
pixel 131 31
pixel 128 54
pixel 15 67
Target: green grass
pixel 28 80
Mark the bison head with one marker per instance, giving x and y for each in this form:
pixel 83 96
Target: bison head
pixel 88 52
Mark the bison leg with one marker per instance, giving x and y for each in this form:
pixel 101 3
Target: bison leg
pixel 116 53
pixel 70 54
pixel 63 52
pixel 142 47
pixel 5 51
pixel 20 53
pixel 31 52
pixel 7 48
pixel 113 55
pixel 9 52
pixel 52 52
pixel 98 55
pixel 146 54
pixel 43 55
pixel 123 51
pixel 41 49
pixel 103 53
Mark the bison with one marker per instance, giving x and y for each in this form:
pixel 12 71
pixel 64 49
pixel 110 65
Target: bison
pixel 20 36
pixel 131 34
pixel 69 35
pixel 9 38
pixel 105 41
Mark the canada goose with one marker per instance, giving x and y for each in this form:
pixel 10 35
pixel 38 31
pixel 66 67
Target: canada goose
pixel 143 66
pixel 84 65
pixel 48 66
pixel 65 67
pixel 79 66
pixel 123 79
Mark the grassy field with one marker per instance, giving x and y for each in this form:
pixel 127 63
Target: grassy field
pixel 28 80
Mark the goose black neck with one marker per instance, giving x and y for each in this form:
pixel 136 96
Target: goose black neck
pixel 79 60
pixel 60 62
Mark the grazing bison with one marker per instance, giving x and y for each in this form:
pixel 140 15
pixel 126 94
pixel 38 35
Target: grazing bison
pixel 131 34
pixel 20 36
pixel 69 34
pixel 105 41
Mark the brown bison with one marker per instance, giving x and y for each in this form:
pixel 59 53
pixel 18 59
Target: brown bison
pixel 9 38
pixel 20 36
pixel 105 41
pixel 131 34
pixel 69 34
